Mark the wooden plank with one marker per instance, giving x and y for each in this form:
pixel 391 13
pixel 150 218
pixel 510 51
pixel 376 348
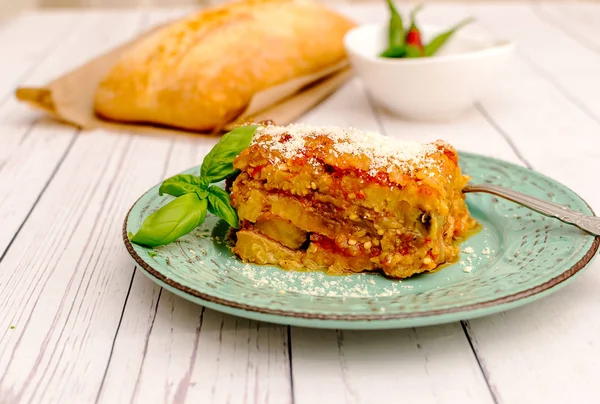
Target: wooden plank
pixel 554 134
pixel 561 59
pixel 66 275
pixel 534 116
pixel 176 350
pixel 424 365
pixel 206 356
pixel 552 94
pixel 60 251
pixel 30 152
pixel 25 48
pixel 352 343
pixel 433 364
pixel 266 338
pixel 469 132
pixel 31 146
pixel 211 375
pixel 347 370
pixel 551 342
pixel 579 21
pixel 195 355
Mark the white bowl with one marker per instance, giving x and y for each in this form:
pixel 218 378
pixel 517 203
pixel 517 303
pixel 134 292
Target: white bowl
pixel 432 88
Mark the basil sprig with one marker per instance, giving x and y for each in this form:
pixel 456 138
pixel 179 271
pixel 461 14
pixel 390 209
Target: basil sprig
pixel 194 195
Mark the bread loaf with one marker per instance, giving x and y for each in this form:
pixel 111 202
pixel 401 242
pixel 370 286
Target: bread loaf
pixel 200 72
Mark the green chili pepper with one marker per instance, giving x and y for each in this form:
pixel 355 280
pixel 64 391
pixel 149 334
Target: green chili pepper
pixel 436 43
pixel 395 32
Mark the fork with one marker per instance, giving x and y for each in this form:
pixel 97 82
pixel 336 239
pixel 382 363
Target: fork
pixel 590 224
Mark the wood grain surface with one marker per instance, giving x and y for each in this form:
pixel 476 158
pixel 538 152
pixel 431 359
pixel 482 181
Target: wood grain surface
pixel 79 323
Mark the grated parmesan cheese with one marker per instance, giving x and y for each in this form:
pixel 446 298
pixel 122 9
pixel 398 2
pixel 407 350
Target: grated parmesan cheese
pixel 313 284
pixel 384 153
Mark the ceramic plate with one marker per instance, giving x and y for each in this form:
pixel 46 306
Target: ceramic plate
pixel 518 257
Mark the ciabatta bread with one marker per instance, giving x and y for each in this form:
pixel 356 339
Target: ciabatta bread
pixel 200 72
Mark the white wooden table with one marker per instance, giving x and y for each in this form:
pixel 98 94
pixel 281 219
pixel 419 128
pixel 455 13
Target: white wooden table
pixel 79 323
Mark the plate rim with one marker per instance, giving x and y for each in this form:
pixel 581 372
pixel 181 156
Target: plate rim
pixel 500 301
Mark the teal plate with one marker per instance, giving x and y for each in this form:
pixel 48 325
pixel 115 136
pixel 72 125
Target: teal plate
pixel 518 257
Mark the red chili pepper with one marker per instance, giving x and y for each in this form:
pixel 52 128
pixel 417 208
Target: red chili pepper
pixel 414 38
pixel 414 42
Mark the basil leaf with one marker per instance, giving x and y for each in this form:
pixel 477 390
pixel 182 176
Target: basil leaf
pixel 182 184
pixel 202 193
pixel 175 219
pixel 220 205
pixel 395 52
pixel 436 43
pixel 218 163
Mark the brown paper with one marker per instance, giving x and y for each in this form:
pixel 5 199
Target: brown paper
pixel 70 98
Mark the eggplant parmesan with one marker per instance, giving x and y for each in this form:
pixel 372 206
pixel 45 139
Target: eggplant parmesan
pixel 348 201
